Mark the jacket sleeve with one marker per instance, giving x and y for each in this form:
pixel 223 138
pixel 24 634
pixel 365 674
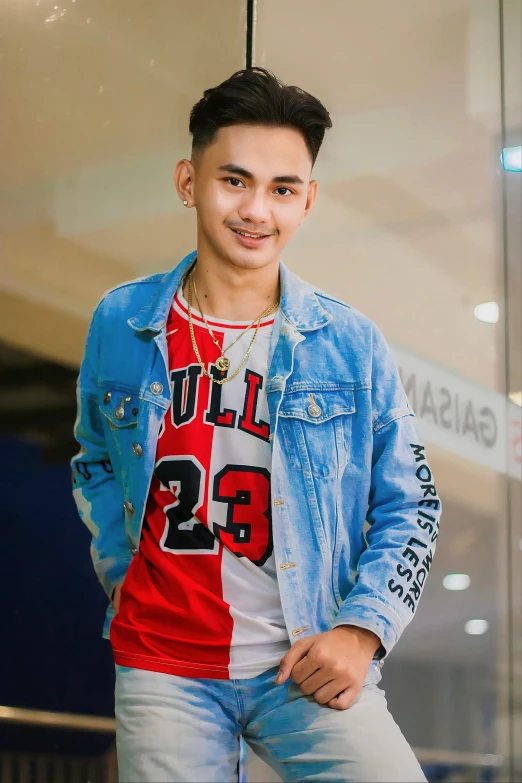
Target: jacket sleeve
pixel 95 490
pixel 403 513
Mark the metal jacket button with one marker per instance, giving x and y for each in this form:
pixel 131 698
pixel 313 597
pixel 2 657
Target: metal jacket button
pixel 129 508
pixel 134 551
pixel 297 631
pixel 107 398
pixel 137 449
pixel 156 387
pixel 314 409
pixel 119 412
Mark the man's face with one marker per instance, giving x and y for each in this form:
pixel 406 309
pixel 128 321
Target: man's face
pixel 254 179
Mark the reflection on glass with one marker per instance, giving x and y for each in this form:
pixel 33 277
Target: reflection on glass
pixel 511 158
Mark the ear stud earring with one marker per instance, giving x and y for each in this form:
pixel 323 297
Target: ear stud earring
pixel 185 202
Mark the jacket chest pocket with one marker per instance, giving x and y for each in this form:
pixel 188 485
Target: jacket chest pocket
pixel 316 429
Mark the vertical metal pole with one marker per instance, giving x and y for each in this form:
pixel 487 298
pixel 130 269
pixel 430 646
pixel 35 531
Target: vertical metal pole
pixel 250 26
pixel 509 553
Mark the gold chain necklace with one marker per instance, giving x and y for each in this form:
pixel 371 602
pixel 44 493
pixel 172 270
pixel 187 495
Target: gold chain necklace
pixel 223 362
pixel 222 365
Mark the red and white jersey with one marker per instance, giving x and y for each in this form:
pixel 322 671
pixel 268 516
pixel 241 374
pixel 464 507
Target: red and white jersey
pixel 201 598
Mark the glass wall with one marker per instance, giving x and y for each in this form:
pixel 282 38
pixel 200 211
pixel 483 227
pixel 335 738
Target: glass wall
pixel 415 225
pixel 409 228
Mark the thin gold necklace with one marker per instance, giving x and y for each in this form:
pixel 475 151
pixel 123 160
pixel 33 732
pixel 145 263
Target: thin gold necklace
pixel 223 362
pixel 222 365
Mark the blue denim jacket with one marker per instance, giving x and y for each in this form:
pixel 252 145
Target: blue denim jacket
pixel 355 511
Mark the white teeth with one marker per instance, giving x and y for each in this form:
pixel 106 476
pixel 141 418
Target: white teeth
pixel 254 236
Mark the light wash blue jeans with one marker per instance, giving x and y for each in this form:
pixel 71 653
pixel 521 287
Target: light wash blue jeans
pixel 171 728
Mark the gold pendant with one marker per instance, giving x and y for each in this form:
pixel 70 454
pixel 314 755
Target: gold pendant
pixel 223 363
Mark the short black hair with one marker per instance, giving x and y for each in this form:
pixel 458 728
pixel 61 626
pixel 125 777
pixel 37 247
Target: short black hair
pixel 255 96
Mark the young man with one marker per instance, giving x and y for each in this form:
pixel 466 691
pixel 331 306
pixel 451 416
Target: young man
pixel 258 495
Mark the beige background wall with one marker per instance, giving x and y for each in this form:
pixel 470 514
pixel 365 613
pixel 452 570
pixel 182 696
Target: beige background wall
pixel 95 117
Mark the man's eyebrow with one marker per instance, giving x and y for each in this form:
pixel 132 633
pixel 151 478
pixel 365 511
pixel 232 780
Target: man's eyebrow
pixel 231 168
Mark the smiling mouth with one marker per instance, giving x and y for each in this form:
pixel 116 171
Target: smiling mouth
pixel 246 234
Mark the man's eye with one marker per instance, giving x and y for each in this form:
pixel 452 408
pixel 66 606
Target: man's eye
pixel 234 181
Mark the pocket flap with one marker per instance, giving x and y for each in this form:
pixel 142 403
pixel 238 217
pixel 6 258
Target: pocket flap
pixel 120 407
pixel 317 406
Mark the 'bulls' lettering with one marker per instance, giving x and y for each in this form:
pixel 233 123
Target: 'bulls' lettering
pixel 247 421
pixel 183 410
pixel 215 415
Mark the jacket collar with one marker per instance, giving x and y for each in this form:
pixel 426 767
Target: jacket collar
pixel 299 302
pixel 153 316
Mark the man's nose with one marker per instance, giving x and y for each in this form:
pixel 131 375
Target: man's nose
pixel 256 209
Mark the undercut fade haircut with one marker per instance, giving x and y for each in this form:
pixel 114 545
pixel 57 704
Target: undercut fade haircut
pixel 255 96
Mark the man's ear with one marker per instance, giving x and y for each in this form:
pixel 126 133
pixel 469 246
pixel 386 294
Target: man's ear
pixel 184 176
pixel 310 198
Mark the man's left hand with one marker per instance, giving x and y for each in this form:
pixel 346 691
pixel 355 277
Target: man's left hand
pixel 332 665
